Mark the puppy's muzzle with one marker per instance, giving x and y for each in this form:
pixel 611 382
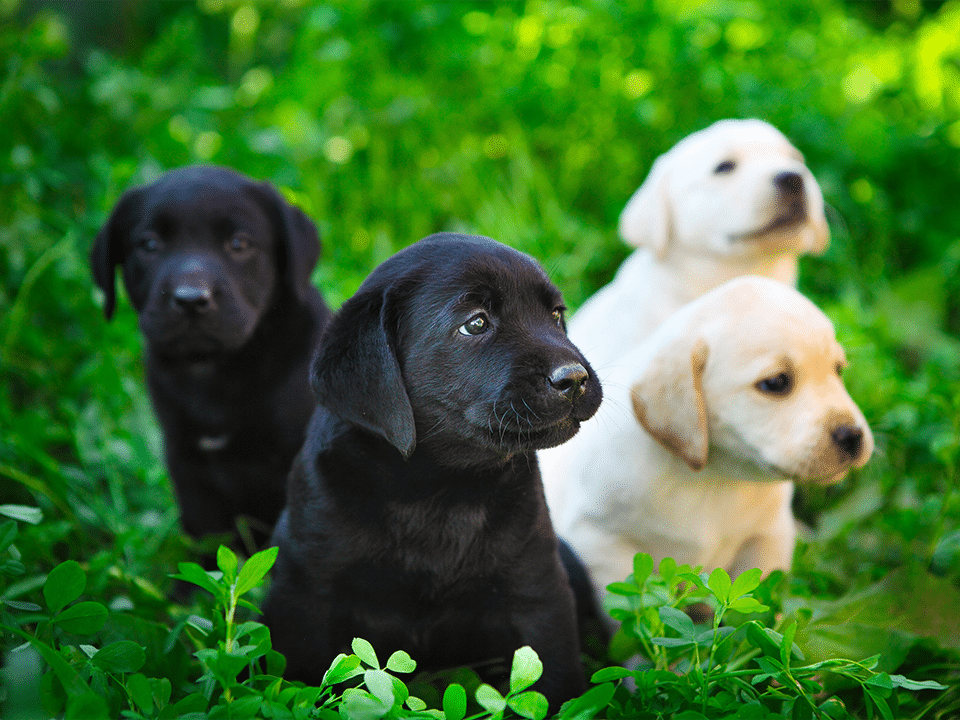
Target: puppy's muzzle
pixel 790 184
pixel 569 380
pixel 849 439
pixel 192 298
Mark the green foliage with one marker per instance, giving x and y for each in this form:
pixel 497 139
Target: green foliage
pixel 532 123
pixel 734 667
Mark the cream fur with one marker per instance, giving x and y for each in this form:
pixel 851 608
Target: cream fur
pixel 695 229
pixel 687 457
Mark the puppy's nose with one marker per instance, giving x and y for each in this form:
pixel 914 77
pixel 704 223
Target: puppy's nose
pixel 191 298
pixel 789 183
pixel 849 439
pixel 569 380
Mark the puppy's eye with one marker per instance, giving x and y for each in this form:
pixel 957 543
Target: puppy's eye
pixel 477 325
pixel 558 315
pixel 727 166
pixel 239 243
pixel 779 384
pixel 149 243
pixel 840 367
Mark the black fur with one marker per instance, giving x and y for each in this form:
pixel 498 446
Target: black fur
pixel 416 517
pixel 218 268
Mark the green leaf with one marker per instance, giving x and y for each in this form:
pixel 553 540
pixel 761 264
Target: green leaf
pixel 83 618
pixel 88 706
pixel 123 656
pixel 526 670
pixel 623 588
pixel 68 677
pixel 907 684
pixel 719 584
pixel 227 562
pixel 8 533
pixel 642 568
pixel 490 699
pixel 747 605
pixel 364 650
pixel 381 685
pixel 255 569
pixel 611 673
pixel 530 704
pixel 668 569
pixel 140 692
pixel 401 662
pixel 416 704
pixel 23 513
pixel 25 606
pixel 64 584
pixel 342 668
pixel 193 573
pixel 455 702
pixel 361 705
pixel 679 621
pixel 592 702
pixel 746 582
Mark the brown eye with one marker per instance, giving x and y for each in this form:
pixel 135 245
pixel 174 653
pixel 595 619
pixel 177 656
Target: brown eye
pixel 149 243
pixel 779 384
pixel 239 243
pixel 558 315
pixel 840 367
pixel 727 166
pixel 477 325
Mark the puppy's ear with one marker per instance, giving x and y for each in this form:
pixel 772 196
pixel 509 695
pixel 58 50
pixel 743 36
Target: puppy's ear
pixel 645 221
pixel 108 251
pixel 355 373
pixel 300 241
pixel 668 401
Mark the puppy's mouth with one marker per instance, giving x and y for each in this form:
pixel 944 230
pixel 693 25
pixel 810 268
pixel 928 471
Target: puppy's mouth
pixel 792 215
pixel 188 339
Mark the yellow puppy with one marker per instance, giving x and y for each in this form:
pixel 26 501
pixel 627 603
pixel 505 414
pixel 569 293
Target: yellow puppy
pixel 703 430
pixel 733 199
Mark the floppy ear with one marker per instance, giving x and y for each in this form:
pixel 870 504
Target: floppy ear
pixel 355 374
pixel 299 238
pixel 668 401
pixel 107 250
pixel 645 221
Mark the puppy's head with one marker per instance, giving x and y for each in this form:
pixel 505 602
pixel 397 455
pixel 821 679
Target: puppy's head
pixel 752 370
pixel 456 345
pixel 204 252
pixel 737 188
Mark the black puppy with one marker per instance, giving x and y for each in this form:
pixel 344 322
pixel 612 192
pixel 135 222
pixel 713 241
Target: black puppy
pixel 416 516
pixel 218 268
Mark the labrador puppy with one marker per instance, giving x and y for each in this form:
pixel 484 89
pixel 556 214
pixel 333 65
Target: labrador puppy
pixel 705 428
pixel 416 516
pixel 218 268
pixel 733 199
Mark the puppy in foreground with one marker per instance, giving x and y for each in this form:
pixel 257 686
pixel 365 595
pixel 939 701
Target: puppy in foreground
pixel 705 428
pixel 218 268
pixel 416 516
pixel 733 199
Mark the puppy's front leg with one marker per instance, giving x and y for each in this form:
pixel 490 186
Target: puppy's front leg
pixel 299 622
pixel 769 551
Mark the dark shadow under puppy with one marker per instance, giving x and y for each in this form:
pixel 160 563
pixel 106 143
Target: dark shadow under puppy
pixel 218 268
pixel 416 516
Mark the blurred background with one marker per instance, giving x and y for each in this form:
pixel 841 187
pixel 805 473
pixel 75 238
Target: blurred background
pixel 529 122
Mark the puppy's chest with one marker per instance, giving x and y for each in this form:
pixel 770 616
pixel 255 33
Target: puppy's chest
pixel 442 542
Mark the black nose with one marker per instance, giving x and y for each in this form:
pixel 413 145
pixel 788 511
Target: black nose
pixel 789 183
pixel 191 298
pixel 569 380
pixel 849 439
